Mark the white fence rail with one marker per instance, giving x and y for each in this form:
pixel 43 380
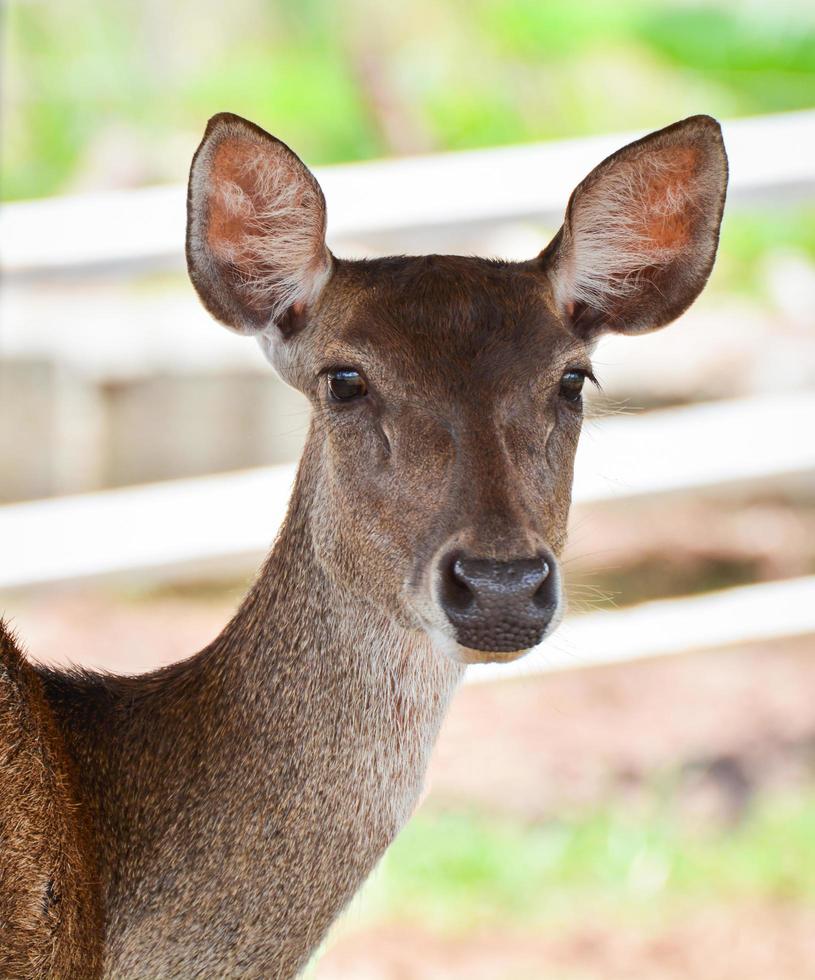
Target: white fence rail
pixel 772 158
pixel 732 617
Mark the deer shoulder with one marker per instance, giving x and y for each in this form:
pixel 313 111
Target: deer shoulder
pixel 50 921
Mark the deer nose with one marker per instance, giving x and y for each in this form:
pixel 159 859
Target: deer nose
pixel 500 606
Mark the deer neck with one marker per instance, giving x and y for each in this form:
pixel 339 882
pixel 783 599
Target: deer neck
pixel 254 786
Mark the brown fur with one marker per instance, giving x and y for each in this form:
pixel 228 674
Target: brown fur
pixel 237 800
pixel 50 916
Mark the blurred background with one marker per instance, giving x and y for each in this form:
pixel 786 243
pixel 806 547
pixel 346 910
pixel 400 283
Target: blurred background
pixel 640 803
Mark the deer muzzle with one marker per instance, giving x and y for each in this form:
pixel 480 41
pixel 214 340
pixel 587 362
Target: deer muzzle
pixel 499 607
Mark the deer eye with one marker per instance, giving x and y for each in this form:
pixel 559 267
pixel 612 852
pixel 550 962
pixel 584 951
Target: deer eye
pixel 345 384
pixel 571 384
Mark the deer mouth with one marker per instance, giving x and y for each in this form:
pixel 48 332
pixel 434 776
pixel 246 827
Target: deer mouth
pixel 502 643
pixel 471 656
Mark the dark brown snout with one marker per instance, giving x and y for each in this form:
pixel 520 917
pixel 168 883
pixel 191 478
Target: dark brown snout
pixel 500 606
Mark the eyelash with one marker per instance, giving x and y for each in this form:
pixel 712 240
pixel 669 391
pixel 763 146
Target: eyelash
pixel 574 395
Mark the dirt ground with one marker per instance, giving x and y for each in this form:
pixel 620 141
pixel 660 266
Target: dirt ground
pixel 745 943
pixel 727 724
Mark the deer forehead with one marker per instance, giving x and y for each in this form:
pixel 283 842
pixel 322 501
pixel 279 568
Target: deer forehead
pixel 440 321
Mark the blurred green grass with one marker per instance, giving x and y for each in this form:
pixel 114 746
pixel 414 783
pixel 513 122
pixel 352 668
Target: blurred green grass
pixel 451 873
pixel 116 94
pixel 749 237
pixel 360 79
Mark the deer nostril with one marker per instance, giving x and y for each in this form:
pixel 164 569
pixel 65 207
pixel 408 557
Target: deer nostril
pixel 542 596
pixel 475 581
pixel 456 592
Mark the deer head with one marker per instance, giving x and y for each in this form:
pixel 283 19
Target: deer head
pixel 447 390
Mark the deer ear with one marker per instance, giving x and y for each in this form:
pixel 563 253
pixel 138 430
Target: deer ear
pixel 641 231
pixel 256 249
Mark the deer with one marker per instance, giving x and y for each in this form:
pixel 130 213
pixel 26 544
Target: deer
pixel 214 817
